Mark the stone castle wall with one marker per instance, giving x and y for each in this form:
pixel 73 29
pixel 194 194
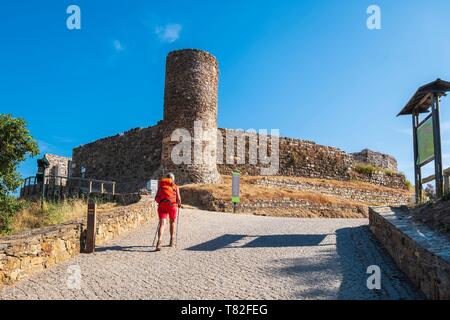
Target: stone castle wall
pixel 299 158
pixel 58 166
pixel 130 158
pixel 190 96
pixel 377 159
pixel 134 157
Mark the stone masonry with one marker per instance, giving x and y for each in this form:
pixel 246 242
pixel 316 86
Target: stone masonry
pixel 32 251
pixel 376 159
pixel 129 158
pixel 420 252
pixel 191 96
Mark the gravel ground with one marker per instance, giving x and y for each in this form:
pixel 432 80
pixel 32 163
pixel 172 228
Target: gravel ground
pixel 226 256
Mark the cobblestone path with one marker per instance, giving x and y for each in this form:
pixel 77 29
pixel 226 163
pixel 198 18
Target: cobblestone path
pixel 226 256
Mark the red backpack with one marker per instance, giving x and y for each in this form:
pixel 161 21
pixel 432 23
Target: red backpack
pixel 167 191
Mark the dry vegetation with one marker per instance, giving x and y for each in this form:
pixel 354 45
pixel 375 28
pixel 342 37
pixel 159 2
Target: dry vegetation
pixel 34 216
pixel 329 206
pixel 252 192
pixel 353 184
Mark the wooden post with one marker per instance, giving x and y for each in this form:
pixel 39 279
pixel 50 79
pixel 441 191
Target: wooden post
pixel 91 227
pixel 34 186
pixel 417 171
pixel 43 189
pixel 446 183
pixel 437 147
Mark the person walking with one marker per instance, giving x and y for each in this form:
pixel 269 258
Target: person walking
pixel 168 199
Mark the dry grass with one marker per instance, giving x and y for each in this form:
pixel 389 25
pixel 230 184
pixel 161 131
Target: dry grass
pixel 251 192
pixel 34 216
pixel 360 185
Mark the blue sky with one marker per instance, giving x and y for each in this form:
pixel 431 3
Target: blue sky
pixel 309 68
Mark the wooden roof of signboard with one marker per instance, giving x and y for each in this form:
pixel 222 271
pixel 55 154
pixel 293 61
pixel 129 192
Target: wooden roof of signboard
pixel 422 99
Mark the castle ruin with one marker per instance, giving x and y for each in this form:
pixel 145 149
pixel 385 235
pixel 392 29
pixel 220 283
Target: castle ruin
pixel 191 94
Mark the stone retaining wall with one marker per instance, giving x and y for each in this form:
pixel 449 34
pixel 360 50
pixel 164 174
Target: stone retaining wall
pixel 32 251
pixel 421 253
pixel 296 208
pixel 280 207
pixel 390 180
pixel 372 197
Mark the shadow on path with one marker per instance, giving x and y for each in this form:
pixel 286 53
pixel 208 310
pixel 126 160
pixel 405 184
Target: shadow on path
pixel 341 273
pixel 264 241
pixel 127 248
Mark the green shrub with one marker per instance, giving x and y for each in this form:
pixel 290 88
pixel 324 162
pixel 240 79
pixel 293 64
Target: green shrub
pixel 16 144
pixel 9 206
pixel 365 168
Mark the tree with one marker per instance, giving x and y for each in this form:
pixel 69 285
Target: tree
pixel 16 144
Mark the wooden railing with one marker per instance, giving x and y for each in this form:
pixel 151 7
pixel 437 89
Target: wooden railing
pixel 60 186
pixel 446 174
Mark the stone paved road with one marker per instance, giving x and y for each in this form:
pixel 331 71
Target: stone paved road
pixel 225 256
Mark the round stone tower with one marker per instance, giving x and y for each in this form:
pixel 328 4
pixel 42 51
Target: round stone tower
pixel 190 117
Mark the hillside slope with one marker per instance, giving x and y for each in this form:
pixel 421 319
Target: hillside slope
pixel 295 197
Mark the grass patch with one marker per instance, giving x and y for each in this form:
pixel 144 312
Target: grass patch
pixel 365 168
pixel 33 215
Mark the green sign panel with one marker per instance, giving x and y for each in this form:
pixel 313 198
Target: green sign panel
pixel 235 197
pixel 425 141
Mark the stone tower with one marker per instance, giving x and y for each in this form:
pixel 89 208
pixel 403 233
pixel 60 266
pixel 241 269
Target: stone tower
pixel 190 105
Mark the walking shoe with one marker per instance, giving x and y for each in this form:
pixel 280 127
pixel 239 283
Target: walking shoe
pixel 158 246
pixel 172 243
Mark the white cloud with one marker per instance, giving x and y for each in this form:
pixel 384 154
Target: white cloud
pixel 118 46
pixel 45 147
pixel 170 33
